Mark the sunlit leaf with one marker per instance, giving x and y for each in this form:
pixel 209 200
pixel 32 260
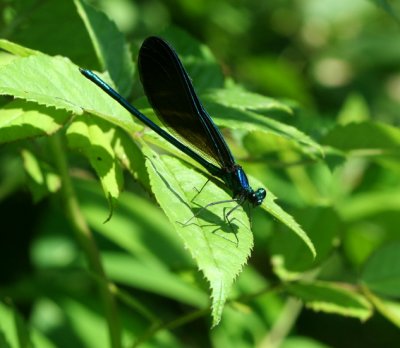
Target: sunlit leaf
pixel 243 100
pixel 42 178
pixel 16 49
pixel 219 249
pixel 362 205
pixel 364 136
pixel 95 138
pixel 57 82
pixel 11 332
pixel 124 269
pixel 20 120
pixel 129 228
pixel 389 309
pixel 230 115
pixel 111 49
pixel 276 211
pixel 332 298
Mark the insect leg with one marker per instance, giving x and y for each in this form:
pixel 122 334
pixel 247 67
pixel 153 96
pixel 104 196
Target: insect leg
pixel 207 206
pixel 199 191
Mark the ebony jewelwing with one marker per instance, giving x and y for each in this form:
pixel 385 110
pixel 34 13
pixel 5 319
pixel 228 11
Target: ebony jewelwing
pixel 171 94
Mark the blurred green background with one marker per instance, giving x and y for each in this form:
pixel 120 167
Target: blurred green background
pixel 337 63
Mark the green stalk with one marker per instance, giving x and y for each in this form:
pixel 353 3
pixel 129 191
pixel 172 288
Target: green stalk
pixel 283 325
pixel 85 239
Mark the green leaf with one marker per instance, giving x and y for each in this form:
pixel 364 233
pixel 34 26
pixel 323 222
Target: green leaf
pixel 278 77
pixel 6 58
pixel 289 253
pixel 111 49
pixel 129 154
pixel 87 324
pixel 20 120
pixel 332 298
pixel 302 342
pixel 381 273
pixel 152 256
pixel 36 25
pixel 95 138
pixel 124 269
pixel 129 228
pixel 241 99
pixel 57 82
pixel 362 205
pixel 260 146
pixel 42 178
pixel 220 250
pixel 375 136
pixel 355 109
pixel 9 331
pixel 389 309
pixel 234 116
pixel 276 211
pixel 16 49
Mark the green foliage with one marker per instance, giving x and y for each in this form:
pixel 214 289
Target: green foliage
pixel 332 298
pixel 21 120
pixel 219 252
pixel 95 138
pixel 16 333
pixel 381 272
pixel 109 44
pixel 42 179
pixel 310 110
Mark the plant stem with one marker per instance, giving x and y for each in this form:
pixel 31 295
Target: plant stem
pixel 283 325
pixel 85 239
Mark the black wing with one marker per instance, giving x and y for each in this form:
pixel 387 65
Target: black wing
pixel 171 94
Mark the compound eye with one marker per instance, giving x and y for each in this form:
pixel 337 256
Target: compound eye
pixel 258 196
